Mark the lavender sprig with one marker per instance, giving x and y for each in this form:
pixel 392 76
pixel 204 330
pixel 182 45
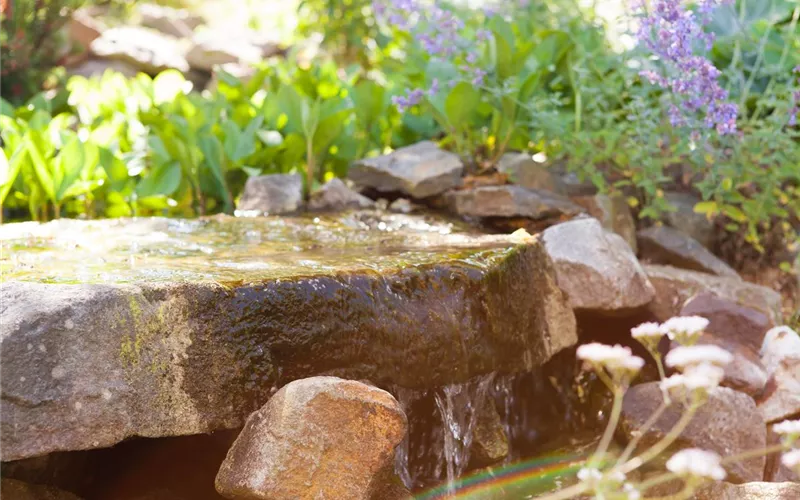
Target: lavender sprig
pixel 671 32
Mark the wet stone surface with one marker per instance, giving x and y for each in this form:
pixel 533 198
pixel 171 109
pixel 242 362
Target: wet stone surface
pixel 155 327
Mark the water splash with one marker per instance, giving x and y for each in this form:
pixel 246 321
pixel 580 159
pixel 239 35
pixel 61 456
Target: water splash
pixel 458 406
pixel 405 397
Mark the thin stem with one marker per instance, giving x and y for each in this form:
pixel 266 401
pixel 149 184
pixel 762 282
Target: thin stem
pixel 662 445
pixel 309 167
pixel 661 478
pixel 753 453
pixel 640 433
pixel 566 493
pixel 616 411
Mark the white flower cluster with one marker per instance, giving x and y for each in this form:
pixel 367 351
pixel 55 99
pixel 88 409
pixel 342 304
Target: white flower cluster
pixel 790 431
pixel 701 367
pixel 697 463
pixel 617 360
pixel 684 330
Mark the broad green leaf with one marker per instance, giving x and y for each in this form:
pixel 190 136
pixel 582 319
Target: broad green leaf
pixel 41 168
pixel 115 169
pixel 291 104
pixel 369 100
pixel 69 164
pixel 706 207
pixel 6 109
pixel 240 144
pixel 9 168
pixel 162 180
pixel 460 104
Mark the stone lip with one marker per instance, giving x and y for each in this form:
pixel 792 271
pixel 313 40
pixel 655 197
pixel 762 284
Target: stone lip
pixel 509 201
pixel 88 365
pixel 420 171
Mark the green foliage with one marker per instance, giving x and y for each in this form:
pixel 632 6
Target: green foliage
pixel 31 44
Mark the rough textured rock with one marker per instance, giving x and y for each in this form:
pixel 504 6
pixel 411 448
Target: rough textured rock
pixel 739 329
pixel 489 440
pixel 221 310
pixel 509 201
pixel 147 50
pixel 775 471
pixel 523 171
pixel 11 489
pixel 781 397
pixel 335 195
pixel 686 220
pixel 728 423
pixel 420 171
pixel 272 194
pixel 666 245
pixel 316 438
pixel 212 48
pixel 613 213
pixel 596 268
pixel 174 22
pixel 749 491
pixel 675 286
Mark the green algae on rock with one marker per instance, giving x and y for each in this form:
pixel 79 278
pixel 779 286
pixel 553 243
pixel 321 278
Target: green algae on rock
pixel 111 330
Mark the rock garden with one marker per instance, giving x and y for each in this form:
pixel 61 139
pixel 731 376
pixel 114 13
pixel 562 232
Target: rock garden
pixel 414 250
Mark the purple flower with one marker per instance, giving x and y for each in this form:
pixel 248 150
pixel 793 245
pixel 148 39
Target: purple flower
pixel 670 31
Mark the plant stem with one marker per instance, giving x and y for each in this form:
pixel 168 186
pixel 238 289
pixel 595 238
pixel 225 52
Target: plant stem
pixel 640 433
pixel 756 67
pixel 662 445
pixel 309 167
pixel 753 453
pixel 616 410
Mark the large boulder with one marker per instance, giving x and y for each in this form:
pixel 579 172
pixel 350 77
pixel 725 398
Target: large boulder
pixel 420 171
pixel 596 268
pixel 213 48
pixel 316 438
pixel 675 286
pixel 272 194
pixel 509 201
pixel 147 50
pixel 157 327
pixel 666 245
pixel 727 424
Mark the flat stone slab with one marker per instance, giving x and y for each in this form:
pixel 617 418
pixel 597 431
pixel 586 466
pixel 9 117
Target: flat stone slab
pixel 157 327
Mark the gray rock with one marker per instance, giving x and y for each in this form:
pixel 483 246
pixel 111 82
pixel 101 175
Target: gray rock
pixel 147 50
pixel 727 424
pixel 509 201
pixel 781 397
pixel 174 22
pixel 675 286
pixel 489 440
pixel 402 206
pixel 613 213
pixel 749 491
pixel 321 437
pixel 597 269
pixel 212 48
pixel 184 326
pixel 11 489
pixel 335 195
pixel 666 245
pixel 523 171
pixel 686 220
pixel 775 471
pixel 272 194
pixel 738 329
pixel 96 67
pixel 420 171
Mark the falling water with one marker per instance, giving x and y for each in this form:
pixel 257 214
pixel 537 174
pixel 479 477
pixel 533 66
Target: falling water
pixel 405 397
pixel 458 406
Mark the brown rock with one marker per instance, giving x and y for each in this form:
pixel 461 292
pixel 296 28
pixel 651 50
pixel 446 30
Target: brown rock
pixel 334 195
pixel 781 396
pixel 613 213
pixel 489 441
pixel 666 245
pixel 596 268
pixel 675 286
pixel 11 489
pixel 728 423
pixel 775 471
pixel 84 29
pixel 509 201
pixel 739 329
pixel 749 491
pixel 523 171
pixel 317 438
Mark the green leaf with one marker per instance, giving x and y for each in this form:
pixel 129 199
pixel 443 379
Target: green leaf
pixel 115 169
pixel 70 162
pixel 9 168
pixel 461 103
pixel 241 144
pixel 214 159
pixel 6 109
pixel 706 207
pixel 162 180
pixel 41 168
